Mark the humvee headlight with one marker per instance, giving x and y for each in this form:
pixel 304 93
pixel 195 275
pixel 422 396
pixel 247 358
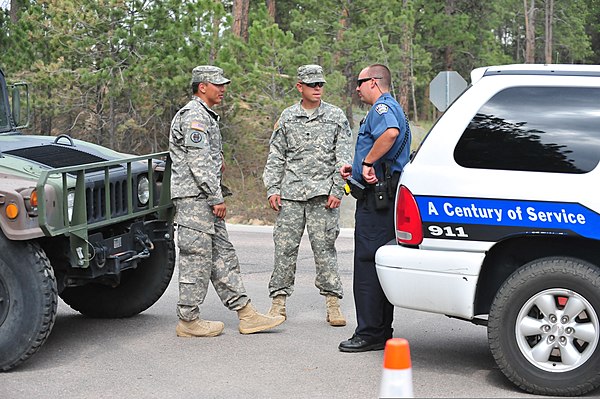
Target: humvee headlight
pixel 33 199
pixel 70 204
pixel 12 211
pixel 143 190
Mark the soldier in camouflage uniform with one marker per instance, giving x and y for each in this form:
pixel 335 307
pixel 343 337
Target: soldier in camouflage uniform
pixel 205 252
pixel 310 141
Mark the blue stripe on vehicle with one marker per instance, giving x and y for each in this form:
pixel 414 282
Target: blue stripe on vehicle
pixel 527 214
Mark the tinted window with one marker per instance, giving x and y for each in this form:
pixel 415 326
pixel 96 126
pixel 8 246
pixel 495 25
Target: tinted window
pixel 542 129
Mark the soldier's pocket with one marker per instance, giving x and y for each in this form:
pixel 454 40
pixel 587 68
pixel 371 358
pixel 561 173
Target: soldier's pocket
pixel 192 241
pixel 332 230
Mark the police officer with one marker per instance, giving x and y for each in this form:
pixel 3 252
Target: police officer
pixel 205 252
pixel 310 142
pixel 382 150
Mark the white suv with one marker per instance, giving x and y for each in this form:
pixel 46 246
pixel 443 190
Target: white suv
pixel 498 222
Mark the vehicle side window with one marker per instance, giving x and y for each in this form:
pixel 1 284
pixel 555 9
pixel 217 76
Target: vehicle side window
pixel 538 129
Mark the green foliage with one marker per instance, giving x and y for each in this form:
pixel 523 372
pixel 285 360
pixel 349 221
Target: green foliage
pixel 115 71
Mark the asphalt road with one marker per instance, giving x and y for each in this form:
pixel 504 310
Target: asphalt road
pixel 141 357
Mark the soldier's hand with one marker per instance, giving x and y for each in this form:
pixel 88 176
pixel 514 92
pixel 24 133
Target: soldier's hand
pixel 333 202
pixel 275 202
pixel 220 210
pixel 346 171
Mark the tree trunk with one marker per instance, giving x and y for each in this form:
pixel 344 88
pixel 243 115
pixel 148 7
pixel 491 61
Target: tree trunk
pixel 272 9
pixel 14 9
pixel 240 18
pixel 449 50
pixel 214 47
pixel 405 58
pixel 549 22
pixel 529 31
pixel 348 73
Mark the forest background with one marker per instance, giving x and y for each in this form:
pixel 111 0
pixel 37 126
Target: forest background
pixel 114 72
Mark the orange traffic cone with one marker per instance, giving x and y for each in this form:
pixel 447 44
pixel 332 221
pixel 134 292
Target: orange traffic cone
pixel 396 380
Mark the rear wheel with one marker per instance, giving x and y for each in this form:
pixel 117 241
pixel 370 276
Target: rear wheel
pixel 139 288
pixel 28 300
pixel 544 327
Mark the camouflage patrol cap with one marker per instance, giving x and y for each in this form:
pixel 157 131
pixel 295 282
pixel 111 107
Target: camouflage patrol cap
pixel 311 74
pixel 209 73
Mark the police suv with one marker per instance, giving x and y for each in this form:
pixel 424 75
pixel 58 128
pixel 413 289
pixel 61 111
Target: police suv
pixel 498 222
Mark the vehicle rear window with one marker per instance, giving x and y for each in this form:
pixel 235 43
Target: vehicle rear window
pixel 540 129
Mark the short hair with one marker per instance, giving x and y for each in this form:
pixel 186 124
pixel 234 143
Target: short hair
pixel 382 72
pixel 195 86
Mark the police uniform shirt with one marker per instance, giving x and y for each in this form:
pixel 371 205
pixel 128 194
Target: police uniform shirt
pixel 386 113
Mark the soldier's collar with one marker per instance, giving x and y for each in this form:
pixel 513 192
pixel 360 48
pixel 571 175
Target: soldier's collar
pixel 212 113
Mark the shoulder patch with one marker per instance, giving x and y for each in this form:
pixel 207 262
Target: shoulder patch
pixel 196 137
pixel 381 109
pixel 197 125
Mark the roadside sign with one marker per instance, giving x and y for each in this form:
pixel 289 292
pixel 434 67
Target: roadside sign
pixel 445 88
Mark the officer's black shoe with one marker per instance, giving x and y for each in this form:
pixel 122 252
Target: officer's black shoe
pixel 357 344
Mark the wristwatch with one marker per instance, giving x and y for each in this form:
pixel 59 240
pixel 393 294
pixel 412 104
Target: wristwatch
pixel 370 165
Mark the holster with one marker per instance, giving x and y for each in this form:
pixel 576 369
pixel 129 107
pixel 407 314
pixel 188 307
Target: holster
pixel 385 191
pixel 357 190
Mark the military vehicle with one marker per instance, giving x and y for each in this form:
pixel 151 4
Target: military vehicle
pixel 78 221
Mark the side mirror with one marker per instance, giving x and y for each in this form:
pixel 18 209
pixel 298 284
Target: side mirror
pixel 18 90
pixel 16 105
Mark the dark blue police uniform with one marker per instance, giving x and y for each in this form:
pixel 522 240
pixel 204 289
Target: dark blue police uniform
pixel 375 227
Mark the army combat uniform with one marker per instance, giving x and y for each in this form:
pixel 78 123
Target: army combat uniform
pixel 305 155
pixel 205 253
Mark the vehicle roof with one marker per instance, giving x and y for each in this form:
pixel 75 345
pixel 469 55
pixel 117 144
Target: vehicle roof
pixel 535 69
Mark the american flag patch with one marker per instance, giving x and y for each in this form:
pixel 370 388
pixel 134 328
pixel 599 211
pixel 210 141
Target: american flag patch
pixel 197 125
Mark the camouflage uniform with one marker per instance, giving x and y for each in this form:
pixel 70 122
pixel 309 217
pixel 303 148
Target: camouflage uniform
pixel 305 155
pixel 205 252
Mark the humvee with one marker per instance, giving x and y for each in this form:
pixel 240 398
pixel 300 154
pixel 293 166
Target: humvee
pixel 77 221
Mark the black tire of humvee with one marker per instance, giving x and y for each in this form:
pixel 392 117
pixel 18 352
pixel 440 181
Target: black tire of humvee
pixel 139 288
pixel 28 300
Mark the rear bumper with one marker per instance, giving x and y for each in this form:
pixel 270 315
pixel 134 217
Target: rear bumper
pixel 432 281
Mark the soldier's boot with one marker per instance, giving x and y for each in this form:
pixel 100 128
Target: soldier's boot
pixel 251 321
pixel 199 328
pixel 334 314
pixel 278 306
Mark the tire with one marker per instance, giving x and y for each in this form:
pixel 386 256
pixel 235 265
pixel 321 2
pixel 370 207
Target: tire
pixel 544 327
pixel 139 288
pixel 28 301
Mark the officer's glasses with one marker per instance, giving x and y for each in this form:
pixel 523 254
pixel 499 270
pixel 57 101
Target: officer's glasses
pixel 315 84
pixel 359 82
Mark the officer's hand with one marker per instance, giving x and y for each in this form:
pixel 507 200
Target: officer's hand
pixel 333 202
pixel 220 210
pixel 368 173
pixel 346 171
pixel 275 202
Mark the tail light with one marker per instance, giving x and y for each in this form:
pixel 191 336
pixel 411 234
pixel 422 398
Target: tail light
pixel 408 219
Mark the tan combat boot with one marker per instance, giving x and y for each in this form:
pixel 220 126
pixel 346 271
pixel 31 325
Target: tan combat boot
pixel 199 328
pixel 251 321
pixel 278 306
pixel 334 314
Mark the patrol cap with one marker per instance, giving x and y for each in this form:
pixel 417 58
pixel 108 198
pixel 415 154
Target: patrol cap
pixel 209 73
pixel 311 74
